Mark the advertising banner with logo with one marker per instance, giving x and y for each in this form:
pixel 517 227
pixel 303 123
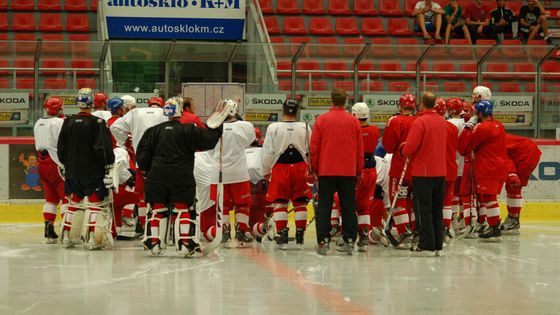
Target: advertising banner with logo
pixel 14 108
pixel 24 172
pixel 513 103
pixel 175 19
pixel 310 115
pixel 261 117
pixel 387 103
pixel 316 101
pixel 264 101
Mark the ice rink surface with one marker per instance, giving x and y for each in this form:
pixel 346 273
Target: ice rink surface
pixel 521 275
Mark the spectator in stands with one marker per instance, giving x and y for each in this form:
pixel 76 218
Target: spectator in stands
pixel 532 18
pixel 477 17
pixel 454 20
pixel 500 21
pixel 428 18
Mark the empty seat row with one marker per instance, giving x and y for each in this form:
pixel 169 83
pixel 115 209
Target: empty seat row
pixel 48 5
pixel 49 83
pixel 48 22
pixel 52 43
pixel 50 64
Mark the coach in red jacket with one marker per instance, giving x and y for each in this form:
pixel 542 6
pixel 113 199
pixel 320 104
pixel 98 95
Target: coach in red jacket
pixel 426 148
pixel 337 159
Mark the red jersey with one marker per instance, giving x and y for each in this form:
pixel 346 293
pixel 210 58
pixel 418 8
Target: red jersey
pixel 451 152
pixel 524 154
pixel 394 134
pixel 371 137
pixel 110 121
pixel 192 118
pixel 487 140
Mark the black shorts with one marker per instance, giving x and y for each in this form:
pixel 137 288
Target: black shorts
pixel 167 193
pixel 85 186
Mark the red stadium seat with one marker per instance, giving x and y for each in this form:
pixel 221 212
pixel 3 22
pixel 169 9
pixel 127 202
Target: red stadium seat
pixel 399 27
pixel 314 7
pixel 551 67
pixel 523 68
pixel 380 48
pixel 339 7
pixel 93 6
pixel 347 86
pixel 336 66
pixel 287 7
pixel 23 5
pixel 365 66
pixel 294 25
pixel 79 43
pixel 498 67
pixel 429 87
pixel 530 87
pixel 266 6
pixel 399 86
pixel 85 83
pixel 25 83
pixel 442 68
pixel 353 46
pixel 83 64
pixel 3 21
pixel 373 86
pixel 3 5
pixel 330 51
pixel 53 63
pixel 76 5
pixel 411 66
pixel 286 85
pixel 468 67
pixel 284 65
pixel 49 5
pixel 272 24
pixel 23 22
pixel 328 40
pixel 50 22
pixel 390 8
pixel 364 7
pixel 390 68
pixel 407 41
pixel 279 49
pixel 317 86
pixel 536 42
pixel 4 64
pixel 459 41
pixel 308 65
pixel 487 42
pixel 296 41
pixel 25 47
pixel 55 84
pixel 320 26
pixel 509 87
pixel 460 87
pixel 24 63
pixel 373 26
pixel 409 6
pixel 346 26
pixel 515 6
pixel 4 83
pixel 77 23
pixel 407 51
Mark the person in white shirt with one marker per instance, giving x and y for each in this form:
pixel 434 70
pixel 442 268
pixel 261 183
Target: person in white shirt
pixel 46 132
pixel 428 18
pixel 455 108
pixel 285 158
pixel 230 154
pixel 100 106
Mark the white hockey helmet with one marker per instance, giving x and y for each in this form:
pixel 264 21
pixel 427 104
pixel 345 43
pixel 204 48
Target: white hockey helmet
pixel 483 92
pixel 360 110
pixel 172 108
pixel 129 101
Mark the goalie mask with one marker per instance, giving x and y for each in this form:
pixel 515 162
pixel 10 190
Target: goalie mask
pixel 84 99
pixel 360 110
pixel 172 108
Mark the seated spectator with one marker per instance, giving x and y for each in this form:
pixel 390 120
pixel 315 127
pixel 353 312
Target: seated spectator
pixel 454 20
pixel 501 20
pixel 428 18
pixel 477 17
pixel 532 18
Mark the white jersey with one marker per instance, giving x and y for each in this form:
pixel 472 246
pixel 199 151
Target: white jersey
pixel 203 167
pixel 280 136
pixel 382 167
pixel 460 124
pixel 237 136
pixel 135 123
pixel 122 161
pixel 254 164
pixel 103 114
pixel 46 132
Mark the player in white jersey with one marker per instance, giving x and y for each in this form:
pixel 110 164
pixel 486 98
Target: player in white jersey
pixel 126 181
pixel 100 106
pixel 203 168
pixel 380 199
pixel 230 153
pixel 285 158
pixel 46 132
pixel 455 107
pixel 135 123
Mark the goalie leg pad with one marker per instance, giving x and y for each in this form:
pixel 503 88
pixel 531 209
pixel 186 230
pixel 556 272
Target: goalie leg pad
pixel 71 231
pixel 99 222
pixel 184 228
pixel 155 233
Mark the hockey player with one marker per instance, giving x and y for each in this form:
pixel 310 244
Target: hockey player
pixel 166 155
pixel 46 132
pixel 467 191
pixel 454 109
pixel 285 159
pixel 524 157
pixel 189 116
pixel 84 149
pixel 394 135
pixel 100 106
pixel 124 195
pixel 487 140
pixel 135 123
pixel 380 200
pixel 365 189
pixel 451 170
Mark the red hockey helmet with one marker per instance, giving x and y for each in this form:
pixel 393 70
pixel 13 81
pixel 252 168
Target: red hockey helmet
pixel 100 100
pixel 440 106
pixel 156 101
pixel 53 106
pixel 258 134
pixel 407 101
pixel 454 106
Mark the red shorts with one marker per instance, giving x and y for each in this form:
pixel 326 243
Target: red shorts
pixel 236 194
pixel 53 184
pixel 486 186
pixel 125 197
pixel 287 182
pixel 366 189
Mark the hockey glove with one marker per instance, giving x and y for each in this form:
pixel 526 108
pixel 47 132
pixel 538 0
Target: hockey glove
pixel 108 181
pixel 472 122
pixel 513 180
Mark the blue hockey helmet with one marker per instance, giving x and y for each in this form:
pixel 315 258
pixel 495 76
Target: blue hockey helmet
pixel 485 107
pixel 114 104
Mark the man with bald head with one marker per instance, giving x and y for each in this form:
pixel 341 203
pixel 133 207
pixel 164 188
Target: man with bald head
pixel 425 147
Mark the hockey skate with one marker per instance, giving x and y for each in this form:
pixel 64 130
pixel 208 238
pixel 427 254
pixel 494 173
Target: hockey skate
pixel 419 252
pixel 50 235
pixel 363 241
pixel 153 245
pixel 491 233
pixel 244 239
pixel 282 240
pixel 376 235
pixel 226 235
pixel 345 246
pixel 449 235
pixel 323 247
pixel 190 249
pixel 510 226
pixel 299 237
pixel 335 231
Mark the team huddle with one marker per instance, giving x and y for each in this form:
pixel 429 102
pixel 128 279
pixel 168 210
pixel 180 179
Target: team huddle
pixel 120 172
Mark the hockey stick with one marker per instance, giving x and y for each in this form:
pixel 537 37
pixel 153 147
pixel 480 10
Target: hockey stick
pixel 387 228
pixel 313 186
pixel 219 207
